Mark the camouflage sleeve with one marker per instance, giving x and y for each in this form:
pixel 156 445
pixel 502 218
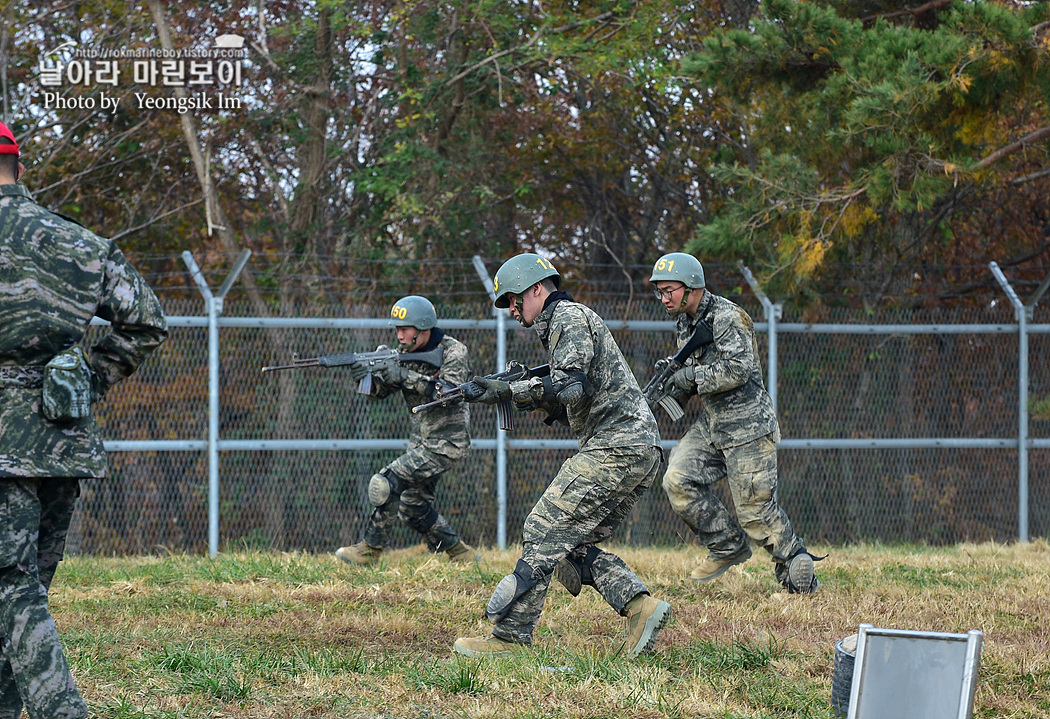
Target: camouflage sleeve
pixel 733 358
pixel 571 345
pixel 570 349
pixel 456 367
pixel 416 381
pixel 137 322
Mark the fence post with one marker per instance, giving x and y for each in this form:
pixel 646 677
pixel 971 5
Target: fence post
pixel 501 435
pixel 773 313
pixel 1022 313
pixel 214 304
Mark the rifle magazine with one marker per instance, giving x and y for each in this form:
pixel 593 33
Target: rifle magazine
pixel 673 409
pixel 503 414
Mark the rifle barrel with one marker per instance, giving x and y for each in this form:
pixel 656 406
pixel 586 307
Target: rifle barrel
pixel 296 364
pixel 452 396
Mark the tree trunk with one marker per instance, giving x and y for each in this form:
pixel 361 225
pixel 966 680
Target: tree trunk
pixel 227 238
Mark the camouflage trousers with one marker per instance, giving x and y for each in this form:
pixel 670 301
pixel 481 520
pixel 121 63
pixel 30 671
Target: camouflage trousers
pixel 35 516
pixel 593 492
pixel 417 471
pixel 751 470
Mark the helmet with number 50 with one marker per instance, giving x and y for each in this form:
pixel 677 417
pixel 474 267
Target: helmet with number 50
pixel 679 267
pixel 413 311
pixel 519 274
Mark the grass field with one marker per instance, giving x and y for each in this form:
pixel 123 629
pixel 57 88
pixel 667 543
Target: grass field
pixel 294 635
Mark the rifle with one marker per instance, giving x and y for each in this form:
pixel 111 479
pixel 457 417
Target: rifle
pixel 382 357
pixel 472 390
pixel 659 389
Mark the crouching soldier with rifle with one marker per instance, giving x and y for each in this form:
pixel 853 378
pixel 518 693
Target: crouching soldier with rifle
pixel 735 437
pixel 594 491
pixel 440 435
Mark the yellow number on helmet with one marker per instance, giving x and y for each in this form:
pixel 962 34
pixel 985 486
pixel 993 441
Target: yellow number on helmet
pixel 543 263
pixel 495 285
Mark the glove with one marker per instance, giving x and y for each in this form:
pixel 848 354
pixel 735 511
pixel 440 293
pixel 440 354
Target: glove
pixel 393 375
pixel 494 390
pixel 358 370
pixel 685 378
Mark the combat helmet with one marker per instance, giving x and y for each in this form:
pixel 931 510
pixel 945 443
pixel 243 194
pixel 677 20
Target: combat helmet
pixel 519 274
pixel 679 267
pixel 413 311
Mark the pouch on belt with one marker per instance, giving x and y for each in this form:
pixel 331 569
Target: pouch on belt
pixel 67 386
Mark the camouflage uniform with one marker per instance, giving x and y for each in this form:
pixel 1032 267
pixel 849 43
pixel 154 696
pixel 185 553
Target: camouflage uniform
pixel 439 438
pixel 595 490
pixel 54 276
pixel 735 438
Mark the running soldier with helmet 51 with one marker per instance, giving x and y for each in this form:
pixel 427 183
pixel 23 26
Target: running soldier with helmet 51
pixel 618 460
pixel 439 438
pixel 734 438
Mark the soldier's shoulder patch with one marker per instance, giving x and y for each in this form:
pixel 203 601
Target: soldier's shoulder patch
pixel 555 336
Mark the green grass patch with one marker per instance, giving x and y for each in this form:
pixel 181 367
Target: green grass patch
pixel 261 635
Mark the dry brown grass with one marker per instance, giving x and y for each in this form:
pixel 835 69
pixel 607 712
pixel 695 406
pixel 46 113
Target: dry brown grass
pixel 291 635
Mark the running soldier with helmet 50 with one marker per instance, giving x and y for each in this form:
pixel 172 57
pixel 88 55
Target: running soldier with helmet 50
pixel 734 438
pixel 618 460
pixel 439 438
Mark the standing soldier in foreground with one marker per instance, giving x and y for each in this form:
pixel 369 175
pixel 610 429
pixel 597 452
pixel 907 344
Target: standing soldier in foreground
pixel 54 277
pixel 735 436
pixel 439 439
pixel 594 491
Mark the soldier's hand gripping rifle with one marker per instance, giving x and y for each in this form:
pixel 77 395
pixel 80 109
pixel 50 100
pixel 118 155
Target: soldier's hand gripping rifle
pixel 661 386
pixel 366 362
pixel 470 391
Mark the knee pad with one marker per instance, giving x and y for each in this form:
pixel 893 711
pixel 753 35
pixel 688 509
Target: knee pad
pixel 509 589
pixel 797 574
pixel 575 574
pixel 382 487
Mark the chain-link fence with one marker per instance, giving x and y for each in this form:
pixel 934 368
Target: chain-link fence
pixel 949 398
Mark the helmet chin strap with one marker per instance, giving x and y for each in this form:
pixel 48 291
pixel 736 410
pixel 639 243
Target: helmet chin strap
pixel 685 300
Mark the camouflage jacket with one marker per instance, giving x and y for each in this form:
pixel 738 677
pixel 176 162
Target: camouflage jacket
pixel 54 277
pixel 736 407
pixel 616 414
pixel 443 430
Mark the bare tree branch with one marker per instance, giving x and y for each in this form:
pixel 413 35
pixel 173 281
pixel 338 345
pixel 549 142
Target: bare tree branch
pixel 914 11
pixel 155 218
pixel 937 166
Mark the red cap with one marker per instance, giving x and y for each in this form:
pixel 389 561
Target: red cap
pixel 11 149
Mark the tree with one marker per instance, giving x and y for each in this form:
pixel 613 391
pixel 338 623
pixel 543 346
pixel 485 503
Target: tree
pixel 865 138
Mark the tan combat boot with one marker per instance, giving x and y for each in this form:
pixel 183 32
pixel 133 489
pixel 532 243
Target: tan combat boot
pixel 462 553
pixel 360 553
pixel 485 647
pixel 712 568
pixel 645 618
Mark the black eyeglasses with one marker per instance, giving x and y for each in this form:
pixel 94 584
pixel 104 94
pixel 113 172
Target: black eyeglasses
pixel 665 294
